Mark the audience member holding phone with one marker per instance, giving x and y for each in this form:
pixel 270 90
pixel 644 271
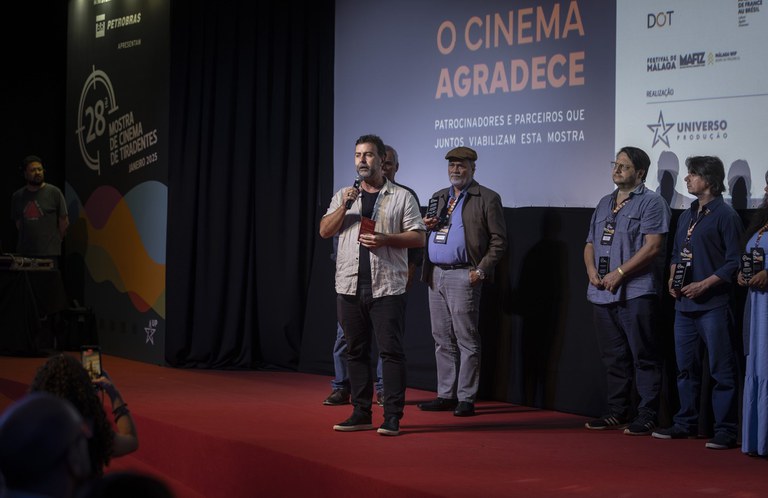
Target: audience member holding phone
pixel 90 357
pixel 65 376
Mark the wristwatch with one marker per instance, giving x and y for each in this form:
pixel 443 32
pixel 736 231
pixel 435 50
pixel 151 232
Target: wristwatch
pixel 480 273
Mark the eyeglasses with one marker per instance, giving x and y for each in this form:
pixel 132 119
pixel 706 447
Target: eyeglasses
pixel 622 167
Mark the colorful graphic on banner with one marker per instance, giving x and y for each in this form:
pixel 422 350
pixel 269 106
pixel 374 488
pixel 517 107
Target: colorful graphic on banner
pixel 126 248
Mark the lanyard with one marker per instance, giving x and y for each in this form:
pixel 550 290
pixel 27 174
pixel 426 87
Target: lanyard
pixel 695 222
pixel 760 234
pixel 376 204
pixel 617 208
pixel 453 201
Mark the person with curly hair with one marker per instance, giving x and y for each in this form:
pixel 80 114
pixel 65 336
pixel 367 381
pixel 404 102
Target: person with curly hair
pixel 64 376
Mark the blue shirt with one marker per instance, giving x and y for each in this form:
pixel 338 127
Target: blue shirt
pixel 646 213
pixel 716 249
pixel 454 251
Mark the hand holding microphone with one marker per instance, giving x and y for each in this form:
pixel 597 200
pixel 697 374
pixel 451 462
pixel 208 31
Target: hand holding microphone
pixel 352 196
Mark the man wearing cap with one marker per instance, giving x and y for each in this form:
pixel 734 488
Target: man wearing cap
pixel 467 238
pixel 43 448
pixel 40 213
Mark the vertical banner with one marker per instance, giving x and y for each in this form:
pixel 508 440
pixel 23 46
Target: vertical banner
pixel 117 167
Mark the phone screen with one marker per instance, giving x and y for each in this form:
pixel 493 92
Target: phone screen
pixel 91 358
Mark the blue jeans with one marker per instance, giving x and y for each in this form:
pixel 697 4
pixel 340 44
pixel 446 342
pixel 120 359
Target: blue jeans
pixel 341 380
pixel 713 328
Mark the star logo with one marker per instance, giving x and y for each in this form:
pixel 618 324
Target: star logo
pixel 660 130
pixel 150 330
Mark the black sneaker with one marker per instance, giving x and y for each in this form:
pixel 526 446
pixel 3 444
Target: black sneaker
pixel 643 425
pixel 357 422
pixel 439 405
pixel 380 399
pixel 337 397
pixel 673 433
pixel 390 427
pixel 721 441
pixel 607 422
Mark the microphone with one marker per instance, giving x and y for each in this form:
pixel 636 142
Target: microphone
pixel 357 186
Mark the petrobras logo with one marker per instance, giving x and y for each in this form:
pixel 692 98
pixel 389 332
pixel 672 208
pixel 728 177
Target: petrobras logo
pixel 101 25
pixel 692 59
pixel 124 21
pixel 665 131
pixel 661 63
pixel 659 19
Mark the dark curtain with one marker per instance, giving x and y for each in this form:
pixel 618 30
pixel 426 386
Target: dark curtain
pixel 251 110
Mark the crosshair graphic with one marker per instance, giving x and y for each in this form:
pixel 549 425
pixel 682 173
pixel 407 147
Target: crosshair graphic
pixel 96 99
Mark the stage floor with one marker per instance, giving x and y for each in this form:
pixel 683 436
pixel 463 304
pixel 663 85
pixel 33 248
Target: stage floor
pixel 254 433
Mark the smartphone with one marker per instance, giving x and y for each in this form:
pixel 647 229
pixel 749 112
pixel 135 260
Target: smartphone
pixel 91 359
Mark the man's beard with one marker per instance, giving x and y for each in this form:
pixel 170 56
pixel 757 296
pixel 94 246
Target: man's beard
pixel 459 182
pixel 366 173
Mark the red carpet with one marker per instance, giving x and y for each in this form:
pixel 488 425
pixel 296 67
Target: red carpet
pixel 244 434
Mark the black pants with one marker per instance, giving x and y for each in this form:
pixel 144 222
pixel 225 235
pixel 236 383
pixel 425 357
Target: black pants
pixel 362 317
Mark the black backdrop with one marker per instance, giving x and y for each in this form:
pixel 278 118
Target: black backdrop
pixel 32 105
pixel 250 283
pixel 251 134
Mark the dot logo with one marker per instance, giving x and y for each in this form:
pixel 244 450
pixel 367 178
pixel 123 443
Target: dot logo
pixel 660 20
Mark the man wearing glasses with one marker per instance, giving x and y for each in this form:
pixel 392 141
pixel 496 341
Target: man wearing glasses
pixel 624 258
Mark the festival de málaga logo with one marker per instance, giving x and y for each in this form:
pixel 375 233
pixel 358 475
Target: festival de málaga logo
pixel 661 63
